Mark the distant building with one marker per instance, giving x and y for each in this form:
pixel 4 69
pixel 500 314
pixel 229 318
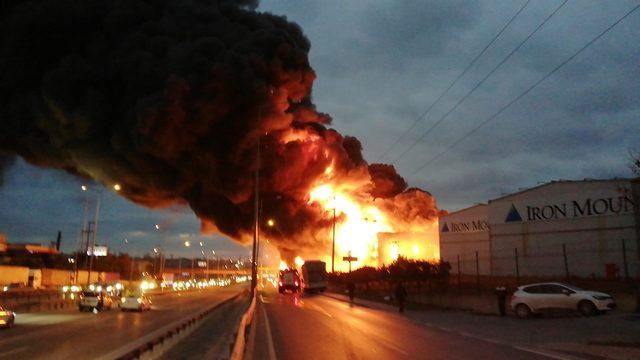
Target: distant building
pixel 411 245
pixel 578 228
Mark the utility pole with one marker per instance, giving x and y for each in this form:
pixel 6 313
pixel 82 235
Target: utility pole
pixel 635 195
pixel 131 270
pixel 256 232
pixel 193 257
pixel 93 242
pixel 333 246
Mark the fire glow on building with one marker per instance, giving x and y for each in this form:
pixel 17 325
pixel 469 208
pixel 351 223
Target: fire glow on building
pixel 173 106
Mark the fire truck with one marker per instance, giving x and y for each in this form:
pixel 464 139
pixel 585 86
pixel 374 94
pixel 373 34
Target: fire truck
pixel 289 280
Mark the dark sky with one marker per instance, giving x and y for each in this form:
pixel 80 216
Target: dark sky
pixel 379 66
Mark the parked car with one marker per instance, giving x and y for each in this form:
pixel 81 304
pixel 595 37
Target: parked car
pixel 534 298
pixel 7 318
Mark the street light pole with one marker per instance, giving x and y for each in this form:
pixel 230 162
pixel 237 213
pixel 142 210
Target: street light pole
pixel 93 241
pixel 193 257
pixel 333 246
pixel 256 232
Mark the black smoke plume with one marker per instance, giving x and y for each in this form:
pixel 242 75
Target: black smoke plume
pixel 170 99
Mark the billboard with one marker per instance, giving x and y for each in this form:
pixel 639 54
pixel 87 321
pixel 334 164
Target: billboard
pixel 98 250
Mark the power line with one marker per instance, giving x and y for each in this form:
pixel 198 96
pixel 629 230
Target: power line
pixel 422 116
pixel 514 100
pixel 480 83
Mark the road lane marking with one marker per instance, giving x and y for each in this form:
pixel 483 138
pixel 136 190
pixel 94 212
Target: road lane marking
pixel 322 310
pixel 262 300
pixel 272 351
pixel 543 353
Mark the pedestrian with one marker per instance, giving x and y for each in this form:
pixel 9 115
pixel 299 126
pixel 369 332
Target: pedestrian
pixel 501 293
pixel 401 294
pixel 351 288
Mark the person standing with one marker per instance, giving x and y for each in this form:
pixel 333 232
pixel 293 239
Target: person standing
pixel 401 295
pixel 501 293
pixel 351 288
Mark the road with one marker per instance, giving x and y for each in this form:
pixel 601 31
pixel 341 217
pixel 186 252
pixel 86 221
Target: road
pixel 318 327
pixel 75 335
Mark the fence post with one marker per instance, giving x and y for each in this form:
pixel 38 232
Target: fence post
pixel 515 250
pixel 566 262
pixel 459 275
pixel 477 272
pixel 624 261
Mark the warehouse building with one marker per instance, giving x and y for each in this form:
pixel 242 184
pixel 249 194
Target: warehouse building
pixel 563 228
pixel 464 237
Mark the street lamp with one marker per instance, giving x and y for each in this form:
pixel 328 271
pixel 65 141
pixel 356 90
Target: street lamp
pixel 188 244
pixel 86 229
pixel 126 241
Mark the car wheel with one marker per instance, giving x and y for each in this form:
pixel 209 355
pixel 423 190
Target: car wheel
pixel 523 311
pixel 587 308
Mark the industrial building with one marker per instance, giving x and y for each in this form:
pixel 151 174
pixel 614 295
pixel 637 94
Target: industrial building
pixel 585 228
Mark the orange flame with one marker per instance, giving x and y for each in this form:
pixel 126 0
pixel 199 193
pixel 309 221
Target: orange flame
pixel 360 222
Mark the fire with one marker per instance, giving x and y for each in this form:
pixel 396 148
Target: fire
pixel 359 222
pixel 283 265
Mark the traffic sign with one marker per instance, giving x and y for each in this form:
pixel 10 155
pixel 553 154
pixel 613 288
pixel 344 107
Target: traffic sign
pixel 349 258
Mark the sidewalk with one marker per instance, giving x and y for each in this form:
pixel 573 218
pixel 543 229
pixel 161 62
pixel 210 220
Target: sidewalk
pixel 611 336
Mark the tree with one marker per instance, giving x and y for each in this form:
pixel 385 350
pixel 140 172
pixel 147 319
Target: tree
pixel 635 163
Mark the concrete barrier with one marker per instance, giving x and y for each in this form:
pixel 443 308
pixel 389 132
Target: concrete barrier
pixel 158 342
pixel 237 353
pixel 53 305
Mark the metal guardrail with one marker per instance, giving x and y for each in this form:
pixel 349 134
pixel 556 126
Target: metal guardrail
pixel 168 333
pixel 239 346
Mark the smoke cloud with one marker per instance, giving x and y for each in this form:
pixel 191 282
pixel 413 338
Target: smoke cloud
pixel 171 99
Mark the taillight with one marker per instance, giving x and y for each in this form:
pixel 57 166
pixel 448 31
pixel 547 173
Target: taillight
pixel 296 283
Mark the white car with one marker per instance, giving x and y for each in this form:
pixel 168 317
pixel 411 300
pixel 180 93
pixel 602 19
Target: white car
pixel 98 300
pixel 135 301
pixel 533 298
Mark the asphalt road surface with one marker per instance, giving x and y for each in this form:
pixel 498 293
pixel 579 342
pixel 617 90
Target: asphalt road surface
pixel 318 327
pixel 75 335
